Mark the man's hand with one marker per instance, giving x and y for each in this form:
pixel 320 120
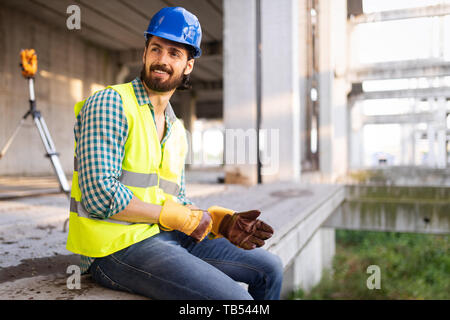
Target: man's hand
pixel 240 228
pixel 195 223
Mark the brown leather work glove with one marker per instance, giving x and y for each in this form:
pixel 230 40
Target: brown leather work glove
pixel 244 230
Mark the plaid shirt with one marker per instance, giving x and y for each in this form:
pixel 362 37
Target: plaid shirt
pixel 101 131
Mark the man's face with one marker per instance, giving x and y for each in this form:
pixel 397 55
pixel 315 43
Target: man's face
pixel 165 64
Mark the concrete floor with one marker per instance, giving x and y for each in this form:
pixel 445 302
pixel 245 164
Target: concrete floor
pixel 34 261
pixel 33 258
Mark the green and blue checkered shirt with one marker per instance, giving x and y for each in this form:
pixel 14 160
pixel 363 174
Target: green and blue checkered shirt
pixel 101 131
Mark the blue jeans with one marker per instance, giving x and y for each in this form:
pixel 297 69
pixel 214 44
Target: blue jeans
pixel 171 265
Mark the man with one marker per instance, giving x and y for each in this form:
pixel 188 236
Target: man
pixel 129 217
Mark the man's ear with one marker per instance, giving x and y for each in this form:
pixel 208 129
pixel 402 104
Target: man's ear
pixel 189 67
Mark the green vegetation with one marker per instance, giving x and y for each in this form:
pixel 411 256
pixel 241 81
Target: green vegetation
pixel 413 266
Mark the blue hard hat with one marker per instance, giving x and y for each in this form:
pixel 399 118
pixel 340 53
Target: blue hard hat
pixel 177 24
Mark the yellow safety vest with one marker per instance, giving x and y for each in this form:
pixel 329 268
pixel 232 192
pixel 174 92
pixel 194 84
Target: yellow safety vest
pixel 152 174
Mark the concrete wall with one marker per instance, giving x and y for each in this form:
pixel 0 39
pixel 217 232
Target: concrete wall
pixel 306 270
pixel 69 69
pixel 333 88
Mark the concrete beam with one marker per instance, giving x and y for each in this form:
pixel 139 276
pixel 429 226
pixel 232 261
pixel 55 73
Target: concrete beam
pixel 410 13
pixel 421 209
pixel 402 176
pixel 399 118
pixel 400 70
pixel 422 93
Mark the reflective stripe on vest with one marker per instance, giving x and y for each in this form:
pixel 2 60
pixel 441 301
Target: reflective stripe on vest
pixel 169 186
pixel 144 180
pixel 78 208
pixel 139 180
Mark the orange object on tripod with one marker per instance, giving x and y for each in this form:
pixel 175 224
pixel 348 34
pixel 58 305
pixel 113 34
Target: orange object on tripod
pixel 29 67
pixel 28 62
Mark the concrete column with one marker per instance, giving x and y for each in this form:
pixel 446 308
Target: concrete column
pixel 431 136
pixel 356 138
pixel 441 154
pixel 407 150
pixel 188 104
pixel 413 136
pixel 122 74
pixel 281 88
pixel 333 87
pixel 187 101
pixel 307 268
pixel 239 92
pixel 328 236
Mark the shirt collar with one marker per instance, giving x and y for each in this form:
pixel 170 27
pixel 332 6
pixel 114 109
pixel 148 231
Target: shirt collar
pixel 143 99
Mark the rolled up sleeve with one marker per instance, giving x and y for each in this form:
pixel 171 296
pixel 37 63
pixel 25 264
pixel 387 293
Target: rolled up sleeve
pixel 100 132
pixel 182 193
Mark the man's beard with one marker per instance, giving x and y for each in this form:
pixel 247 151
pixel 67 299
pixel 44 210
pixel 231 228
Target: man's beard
pixel 159 85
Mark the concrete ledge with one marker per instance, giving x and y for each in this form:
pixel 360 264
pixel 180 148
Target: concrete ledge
pixel 422 209
pixel 54 287
pixel 293 236
pixel 296 211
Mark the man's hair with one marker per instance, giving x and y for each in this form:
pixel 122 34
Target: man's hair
pixel 186 83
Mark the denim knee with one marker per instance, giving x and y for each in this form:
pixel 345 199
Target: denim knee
pixel 274 269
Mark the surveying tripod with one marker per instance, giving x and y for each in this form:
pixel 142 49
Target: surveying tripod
pixel 29 68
